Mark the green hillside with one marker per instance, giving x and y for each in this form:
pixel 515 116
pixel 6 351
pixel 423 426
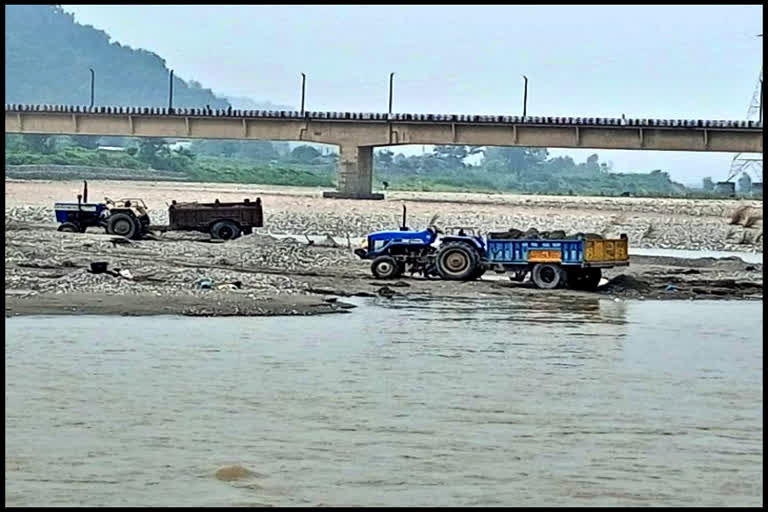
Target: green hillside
pixel 47 56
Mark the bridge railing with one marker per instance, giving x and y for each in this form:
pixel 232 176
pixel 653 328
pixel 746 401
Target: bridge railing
pixel 384 117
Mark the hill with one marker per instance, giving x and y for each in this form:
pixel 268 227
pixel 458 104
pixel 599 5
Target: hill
pixel 47 56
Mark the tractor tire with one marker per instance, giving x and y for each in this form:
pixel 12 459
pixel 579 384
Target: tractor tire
pixel 547 276
pixel 70 227
pixel 122 224
pixel 225 230
pixel 457 261
pixel 479 273
pixel 385 267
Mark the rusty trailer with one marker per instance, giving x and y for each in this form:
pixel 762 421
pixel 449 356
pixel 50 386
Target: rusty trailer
pixel 224 221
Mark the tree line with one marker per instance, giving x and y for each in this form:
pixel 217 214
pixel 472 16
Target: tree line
pixel 495 169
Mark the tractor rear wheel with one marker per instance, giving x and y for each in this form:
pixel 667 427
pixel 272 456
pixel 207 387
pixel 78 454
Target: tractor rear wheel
pixel 547 275
pixel 457 261
pixel 385 267
pixel 69 227
pixel 225 230
pixel 122 224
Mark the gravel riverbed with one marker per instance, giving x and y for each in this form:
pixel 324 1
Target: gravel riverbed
pixel 41 262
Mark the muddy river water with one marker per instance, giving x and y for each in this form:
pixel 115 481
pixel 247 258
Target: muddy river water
pixel 401 402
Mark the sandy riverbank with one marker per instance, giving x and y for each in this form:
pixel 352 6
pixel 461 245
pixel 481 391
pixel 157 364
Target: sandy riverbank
pixel 649 223
pixel 48 272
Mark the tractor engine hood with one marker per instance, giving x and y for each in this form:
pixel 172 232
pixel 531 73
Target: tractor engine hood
pixel 425 236
pixel 379 241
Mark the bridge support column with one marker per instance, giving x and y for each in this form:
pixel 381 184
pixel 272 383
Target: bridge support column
pixel 355 174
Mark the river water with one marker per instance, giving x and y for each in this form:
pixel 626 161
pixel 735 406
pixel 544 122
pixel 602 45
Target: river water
pixel 544 401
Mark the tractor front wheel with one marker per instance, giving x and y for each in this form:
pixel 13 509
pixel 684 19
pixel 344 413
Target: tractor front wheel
pixel 69 227
pixel 385 267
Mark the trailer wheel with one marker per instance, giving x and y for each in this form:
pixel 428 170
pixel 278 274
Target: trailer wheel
pixel 457 261
pixel 584 279
pixel 547 275
pixel 225 230
pixel 69 227
pixel 385 267
pixel 122 224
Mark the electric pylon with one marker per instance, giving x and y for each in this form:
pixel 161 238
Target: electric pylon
pixel 750 162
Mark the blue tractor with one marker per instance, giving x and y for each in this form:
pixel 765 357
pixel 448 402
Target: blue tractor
pixel 553 260
pixel 124 217
pixel 396 252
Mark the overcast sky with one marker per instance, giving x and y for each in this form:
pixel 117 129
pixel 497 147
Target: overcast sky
pixel 643 61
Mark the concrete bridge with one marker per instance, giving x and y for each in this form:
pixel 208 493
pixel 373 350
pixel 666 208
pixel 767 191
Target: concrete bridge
pixel 357 134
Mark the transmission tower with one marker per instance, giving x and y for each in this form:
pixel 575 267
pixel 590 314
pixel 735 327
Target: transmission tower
pixel 746 162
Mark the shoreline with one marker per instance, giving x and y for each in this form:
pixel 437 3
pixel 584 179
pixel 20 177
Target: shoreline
pixel 216 305
pixel 653 278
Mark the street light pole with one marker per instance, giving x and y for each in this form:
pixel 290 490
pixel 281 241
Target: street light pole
pixel 391 78
pixel 525 97
pixel 303 91
pixel 170 91
pixel 93 78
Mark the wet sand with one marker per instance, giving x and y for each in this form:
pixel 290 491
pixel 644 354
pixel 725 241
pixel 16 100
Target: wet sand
pixel 216 304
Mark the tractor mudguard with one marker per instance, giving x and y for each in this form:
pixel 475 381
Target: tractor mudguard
pixel 474 242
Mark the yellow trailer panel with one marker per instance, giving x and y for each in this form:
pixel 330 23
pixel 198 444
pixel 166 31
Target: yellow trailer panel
pixel 608 250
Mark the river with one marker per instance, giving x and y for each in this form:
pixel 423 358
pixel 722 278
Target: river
pixel 566 401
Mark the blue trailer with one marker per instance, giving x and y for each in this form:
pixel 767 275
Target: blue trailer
pixel 575 263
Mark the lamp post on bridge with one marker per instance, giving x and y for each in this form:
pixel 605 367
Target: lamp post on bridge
pixel 391 78
pixel 93 78
pixel 303 91
pixel 525 97
pixel 170 92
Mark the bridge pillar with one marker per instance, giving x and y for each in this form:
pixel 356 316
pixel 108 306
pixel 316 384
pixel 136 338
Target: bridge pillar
pixel 355 174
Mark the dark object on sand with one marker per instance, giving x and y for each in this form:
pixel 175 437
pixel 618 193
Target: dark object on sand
pixel 99 267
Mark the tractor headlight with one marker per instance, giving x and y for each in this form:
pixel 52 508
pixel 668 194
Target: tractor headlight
pixel 364 243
